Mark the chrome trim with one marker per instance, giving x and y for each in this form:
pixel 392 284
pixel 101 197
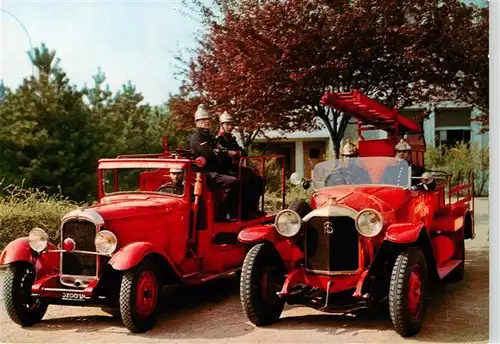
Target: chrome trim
pixel 69 280
pixel 220 274
pixel 83 214
pixel 91 216
pixel 379 215
pixel 334 273
pixel 64 290
pixel 78 251
pixel 330 211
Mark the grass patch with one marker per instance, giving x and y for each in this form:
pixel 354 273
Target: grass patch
pixel 23 209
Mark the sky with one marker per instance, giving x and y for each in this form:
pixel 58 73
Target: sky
pixel 128 40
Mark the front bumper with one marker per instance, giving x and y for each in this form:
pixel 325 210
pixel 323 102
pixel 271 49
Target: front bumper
pixel 52 291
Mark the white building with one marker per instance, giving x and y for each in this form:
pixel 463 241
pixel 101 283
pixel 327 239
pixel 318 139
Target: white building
pixel 448 123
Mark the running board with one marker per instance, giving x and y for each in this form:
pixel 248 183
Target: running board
pixel 448 267
pixel 204 277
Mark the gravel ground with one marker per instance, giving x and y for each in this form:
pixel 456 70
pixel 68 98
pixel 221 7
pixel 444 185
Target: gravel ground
pixel 212 314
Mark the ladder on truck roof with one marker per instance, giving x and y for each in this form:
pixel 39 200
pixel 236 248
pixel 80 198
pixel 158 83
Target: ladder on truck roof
pixel 371 115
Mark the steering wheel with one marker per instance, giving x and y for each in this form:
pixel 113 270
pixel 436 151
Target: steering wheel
pixel 164 186
pixel 335 178
pixel 184 153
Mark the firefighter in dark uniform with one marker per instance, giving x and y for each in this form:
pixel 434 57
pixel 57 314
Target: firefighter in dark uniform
pixel 176 186
pixel 253 186
pixel 349 173
pixel 204 144
pixel 398 174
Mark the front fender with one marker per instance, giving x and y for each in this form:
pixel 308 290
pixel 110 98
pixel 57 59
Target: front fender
pixel 131 255
pixel 255 234
pixel 403 233
pixel 19 250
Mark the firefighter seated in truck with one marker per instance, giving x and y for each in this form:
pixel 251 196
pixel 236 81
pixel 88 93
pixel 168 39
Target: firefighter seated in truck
pixel 176 185
pixel 349 173
pixel 399 172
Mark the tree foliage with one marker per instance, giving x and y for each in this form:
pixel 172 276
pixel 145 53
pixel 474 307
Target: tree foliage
pixel 52 133
pixel 269 62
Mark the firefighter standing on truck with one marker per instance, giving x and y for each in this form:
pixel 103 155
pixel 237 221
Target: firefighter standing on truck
pixel 204 144
pixel 253 186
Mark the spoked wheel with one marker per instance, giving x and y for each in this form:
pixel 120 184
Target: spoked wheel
pixel 262 276
pixel 408 292
pixel 21 307
pixel 139 295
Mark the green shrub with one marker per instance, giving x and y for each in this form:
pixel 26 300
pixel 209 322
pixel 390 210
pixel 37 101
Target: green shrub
pixel 23 209
pixel 459 161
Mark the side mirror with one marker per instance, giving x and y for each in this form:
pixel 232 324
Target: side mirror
pixel 295 179
pixel 427 178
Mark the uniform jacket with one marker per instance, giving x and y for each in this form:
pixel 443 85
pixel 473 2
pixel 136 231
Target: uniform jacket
pixel 206 145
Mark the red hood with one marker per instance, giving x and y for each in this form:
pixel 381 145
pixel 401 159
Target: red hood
pixel 120 206
pixel 382 198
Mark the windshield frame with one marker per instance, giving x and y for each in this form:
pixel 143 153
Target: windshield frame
pixel 106 165
pixel 322 171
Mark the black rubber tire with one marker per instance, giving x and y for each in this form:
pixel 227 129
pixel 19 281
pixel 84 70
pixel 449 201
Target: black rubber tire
pixel 401 318
pixel 458 274
pixel 19 279
pixel 262 258
pixel 301 207
pixel 128 293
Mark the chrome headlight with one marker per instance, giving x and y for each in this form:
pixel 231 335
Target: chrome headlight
pixel 369 223
pixel 38 239
pixel 288 223
pixel 105 242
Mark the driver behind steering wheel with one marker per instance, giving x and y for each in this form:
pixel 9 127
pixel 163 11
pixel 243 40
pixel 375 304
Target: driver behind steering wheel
pixel 176 186
pixel 349 172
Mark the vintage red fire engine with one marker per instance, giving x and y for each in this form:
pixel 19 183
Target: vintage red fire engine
pixel 141 235
pixel 357 245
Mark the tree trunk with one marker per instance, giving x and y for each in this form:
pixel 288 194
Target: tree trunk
pixel 336 131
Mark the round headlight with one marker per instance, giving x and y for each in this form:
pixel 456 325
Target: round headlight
pixel 369 223
pixel 105 242
pixel 38 239
pixel 288 223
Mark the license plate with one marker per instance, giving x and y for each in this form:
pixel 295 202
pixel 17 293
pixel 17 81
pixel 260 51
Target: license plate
pixel 73 296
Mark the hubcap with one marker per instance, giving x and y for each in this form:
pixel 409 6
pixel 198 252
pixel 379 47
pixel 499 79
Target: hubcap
pixel 27 281
pixel 147 294
pixel 415 292
pixel 270 285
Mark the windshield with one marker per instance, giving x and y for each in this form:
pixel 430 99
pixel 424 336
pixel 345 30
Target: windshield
pixel 361 171
pixel 126 180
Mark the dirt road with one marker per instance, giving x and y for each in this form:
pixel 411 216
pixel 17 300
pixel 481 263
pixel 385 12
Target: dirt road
pixel 212 314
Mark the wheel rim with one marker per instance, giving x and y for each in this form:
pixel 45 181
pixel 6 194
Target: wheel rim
pixel 147 294
pixel 270 285
pixel 415 292
pixel 27 280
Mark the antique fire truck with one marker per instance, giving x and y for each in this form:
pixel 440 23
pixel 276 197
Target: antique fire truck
pixel 141 235
pixel 356 245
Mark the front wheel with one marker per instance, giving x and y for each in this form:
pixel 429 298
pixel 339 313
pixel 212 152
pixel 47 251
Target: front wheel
pixel 20 306
pixel 262 276
pixel 408 292
pixel 139 294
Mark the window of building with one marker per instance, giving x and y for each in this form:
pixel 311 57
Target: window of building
pixel 452 136
pixel 453 126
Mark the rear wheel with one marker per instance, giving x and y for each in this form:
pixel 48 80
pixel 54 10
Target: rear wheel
pixel 139 294
pixel 20 306
pixel 262 276
pixel 408 292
